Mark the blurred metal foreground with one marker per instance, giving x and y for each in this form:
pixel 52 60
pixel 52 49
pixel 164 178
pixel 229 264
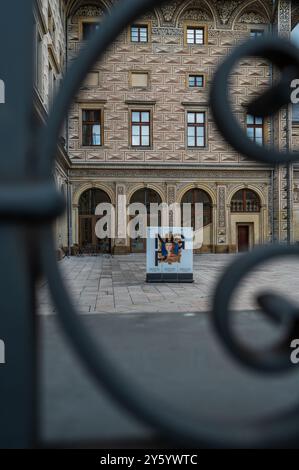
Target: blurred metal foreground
pixel 29 204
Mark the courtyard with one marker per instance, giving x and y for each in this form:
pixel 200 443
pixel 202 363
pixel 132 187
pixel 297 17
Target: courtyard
pixel 116 284
pixel 161 336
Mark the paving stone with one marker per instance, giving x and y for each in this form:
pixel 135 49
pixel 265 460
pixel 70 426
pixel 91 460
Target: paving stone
pixel 117 285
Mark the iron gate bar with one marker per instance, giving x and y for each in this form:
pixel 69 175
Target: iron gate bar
pixel 267 433
pixel 18 413
pixel 17 325
pixel 275 307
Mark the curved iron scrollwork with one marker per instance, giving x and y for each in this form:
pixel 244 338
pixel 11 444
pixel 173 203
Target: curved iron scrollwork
pixel 285 56
pixel 277 432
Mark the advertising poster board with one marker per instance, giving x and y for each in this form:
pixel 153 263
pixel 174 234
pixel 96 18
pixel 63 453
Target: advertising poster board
pixel 169 254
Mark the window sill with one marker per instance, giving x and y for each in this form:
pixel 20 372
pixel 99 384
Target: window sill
pixel 140 102
pixel 196 148
pixel 93 147
pixel 140 43
pixel 140 88
pixel 140 148
pixel 195 45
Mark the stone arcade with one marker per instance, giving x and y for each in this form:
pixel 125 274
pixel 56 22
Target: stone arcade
pixel 141 125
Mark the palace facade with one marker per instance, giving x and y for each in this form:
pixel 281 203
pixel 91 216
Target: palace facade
pixel 141 125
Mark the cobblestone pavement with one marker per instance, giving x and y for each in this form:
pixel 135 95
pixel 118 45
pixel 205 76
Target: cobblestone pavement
pixel 117 285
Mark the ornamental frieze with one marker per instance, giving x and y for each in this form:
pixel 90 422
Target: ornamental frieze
pixel 89 11
pixel 196 15
pixel 166 174
pixel 169 10
pixel 252 17
pixel 167 31
pixel 225 9
pixel 284 18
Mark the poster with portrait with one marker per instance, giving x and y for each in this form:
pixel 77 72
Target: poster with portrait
pixel 169 254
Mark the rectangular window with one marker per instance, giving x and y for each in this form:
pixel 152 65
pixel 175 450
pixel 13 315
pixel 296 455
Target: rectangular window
pixel 91 127
pixel 256 33
pixel 88 29
pixel 196 129
pixel 139 33
pixel 92 79
pixel 196 81
pixel 38 61
pixel 140 128
pixel 255 129
pixel 195 35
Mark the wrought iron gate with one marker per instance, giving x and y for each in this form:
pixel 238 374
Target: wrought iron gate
pixel 29 203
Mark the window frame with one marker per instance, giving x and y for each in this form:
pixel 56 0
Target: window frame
pixel 38 59
pixel 139 72
pixel 140 24
pixel 91 72
pixel 83 20
pixel 295 122
pixel 207 206
pixel 140 124
pixel 243 201
pixel 195 74
pixel 203 125
pixel 195 26
pixel 255 126
pixel 51 83
pixel 93 107
pixel 256 30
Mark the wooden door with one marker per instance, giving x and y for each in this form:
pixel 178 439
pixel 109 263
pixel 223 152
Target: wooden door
pixel 89 243
pixel 85 231
pixel 243 238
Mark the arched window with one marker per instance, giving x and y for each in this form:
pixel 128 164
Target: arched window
pixel 90 199
pixel 245 200
pixel 88 240
pixel 146 196
pixel 195 196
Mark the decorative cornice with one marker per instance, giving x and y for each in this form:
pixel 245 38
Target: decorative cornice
pixel 194 103
pixel 52 55
pixel 91 100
